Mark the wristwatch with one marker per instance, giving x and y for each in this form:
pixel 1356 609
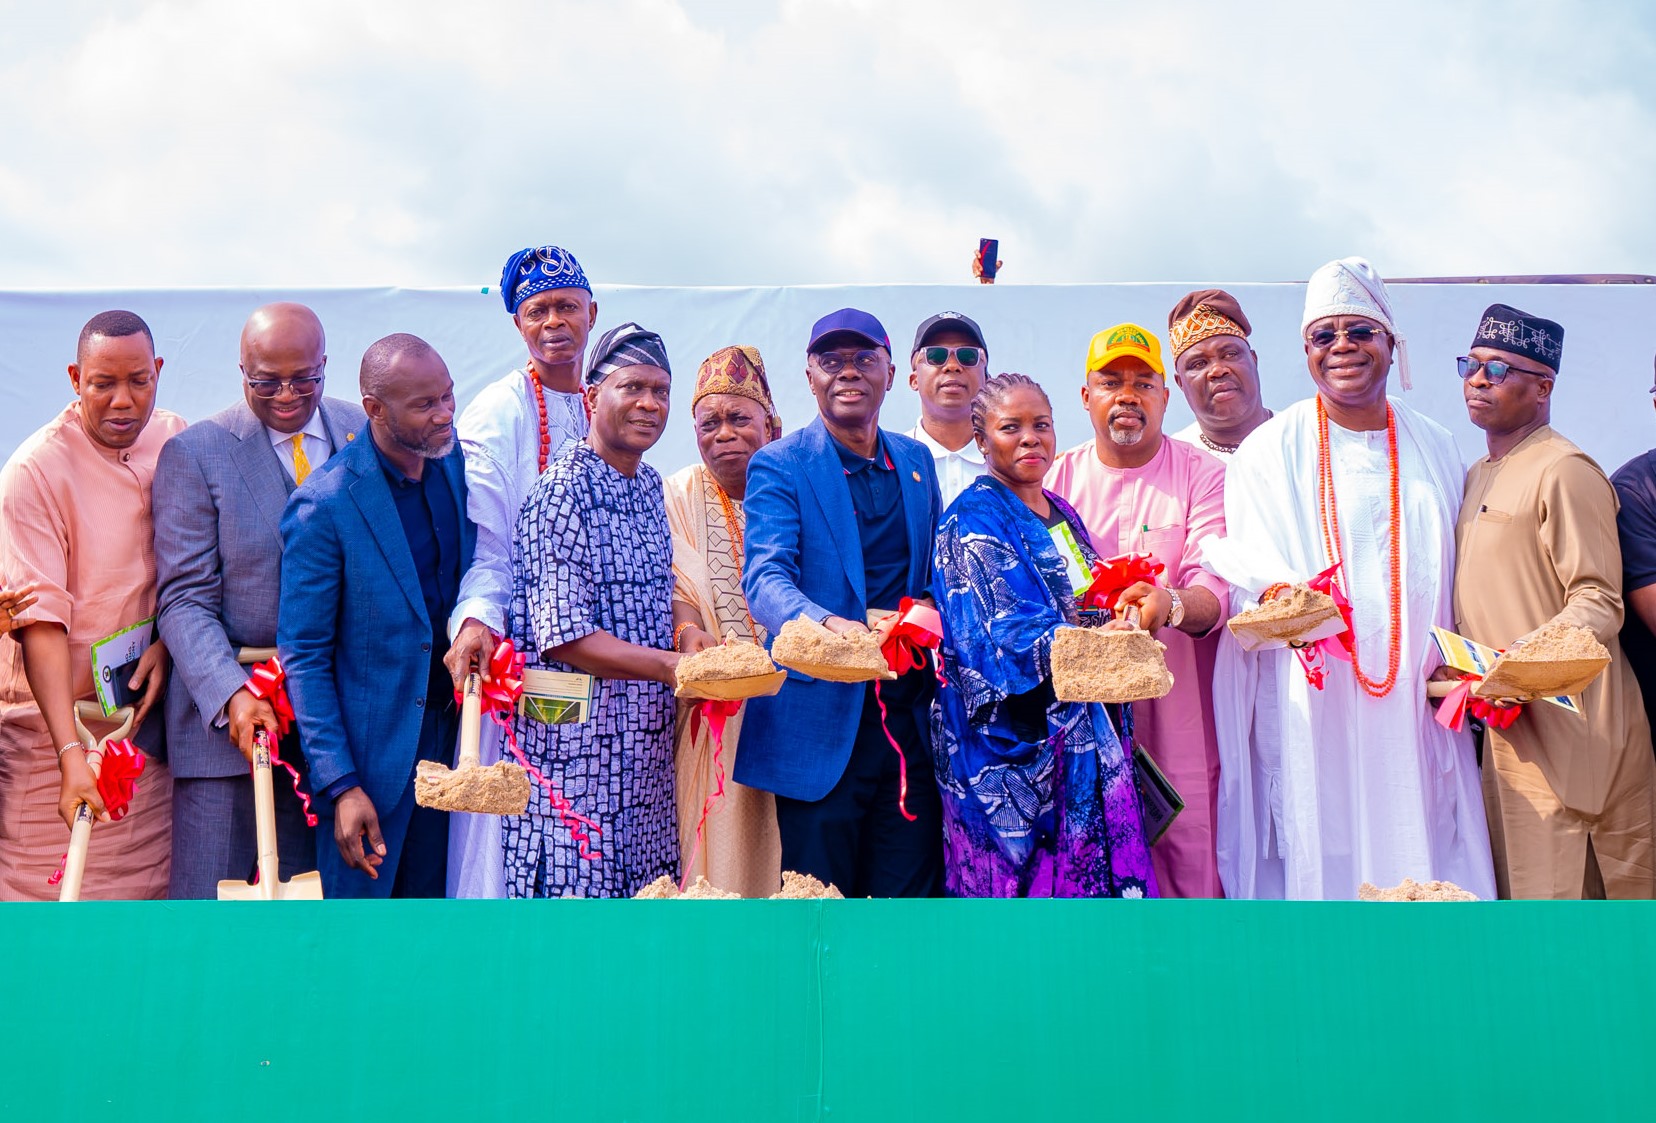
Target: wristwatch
pixel 1175 615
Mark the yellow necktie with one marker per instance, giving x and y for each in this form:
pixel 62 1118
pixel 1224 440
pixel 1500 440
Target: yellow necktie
pixel 301 462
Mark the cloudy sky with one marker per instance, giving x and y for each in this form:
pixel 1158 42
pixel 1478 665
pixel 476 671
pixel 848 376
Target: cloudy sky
pixel 809 141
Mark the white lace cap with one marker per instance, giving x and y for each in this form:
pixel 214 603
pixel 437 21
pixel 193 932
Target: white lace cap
pixel 1351 287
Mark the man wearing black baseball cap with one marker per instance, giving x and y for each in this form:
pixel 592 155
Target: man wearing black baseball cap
pixel 840 520
pixel 947 367
pixel 1569 795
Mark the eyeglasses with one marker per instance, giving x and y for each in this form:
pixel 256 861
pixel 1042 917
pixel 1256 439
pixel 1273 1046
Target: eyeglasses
pixel 1359 334
pixel 303 385
pixel 867 362
pixel 937 356
pixel 1494 369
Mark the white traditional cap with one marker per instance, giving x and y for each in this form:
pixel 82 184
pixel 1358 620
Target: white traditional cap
pixel 1351 287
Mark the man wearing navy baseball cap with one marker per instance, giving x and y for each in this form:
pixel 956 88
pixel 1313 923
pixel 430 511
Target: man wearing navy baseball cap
pixel 840 520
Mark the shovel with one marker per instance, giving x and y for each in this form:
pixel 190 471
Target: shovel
pixel 303 887
pixel 80 835
pixel 270 887
pixel 500 789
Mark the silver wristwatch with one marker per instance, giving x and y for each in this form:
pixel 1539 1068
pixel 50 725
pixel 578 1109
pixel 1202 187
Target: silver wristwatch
pixel 1175 615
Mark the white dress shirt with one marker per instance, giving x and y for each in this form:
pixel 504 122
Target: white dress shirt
pixel 954 469
pixel 316 444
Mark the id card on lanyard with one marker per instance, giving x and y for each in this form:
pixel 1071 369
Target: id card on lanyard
pixel 1075 562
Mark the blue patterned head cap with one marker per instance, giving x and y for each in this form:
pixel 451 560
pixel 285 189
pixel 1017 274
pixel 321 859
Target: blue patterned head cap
pixel 537 269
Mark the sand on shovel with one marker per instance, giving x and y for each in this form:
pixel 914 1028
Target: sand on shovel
pixel 809 648
pixel 1559 659
pixel 1107 665
pixel 730 671
pixel 501 788
pixel 665 888
pixel 1285 618
pixel 1412 890
pixel 804 887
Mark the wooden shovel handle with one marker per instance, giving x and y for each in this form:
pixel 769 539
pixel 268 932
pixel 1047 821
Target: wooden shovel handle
pixel 247 656
pixel 471 722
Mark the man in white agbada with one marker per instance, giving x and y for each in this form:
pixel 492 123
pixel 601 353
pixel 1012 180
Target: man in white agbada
pixel 510 432
pixel 1322 790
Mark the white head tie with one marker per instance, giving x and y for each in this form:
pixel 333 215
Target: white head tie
pixel 1351 287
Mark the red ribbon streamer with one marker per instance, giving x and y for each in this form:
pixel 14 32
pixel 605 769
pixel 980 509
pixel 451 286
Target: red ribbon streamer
pixel 918 628
pixel 501 690
pixel 1314 656
pixel 1115 576
pixel 268 681
pixel 1460 702
pixel 715 712
pixel 118 772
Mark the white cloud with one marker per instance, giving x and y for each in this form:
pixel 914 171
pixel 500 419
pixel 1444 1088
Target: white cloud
pixel 829 140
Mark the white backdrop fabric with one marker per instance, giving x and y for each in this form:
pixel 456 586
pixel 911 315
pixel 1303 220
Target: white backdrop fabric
pixel 1602 396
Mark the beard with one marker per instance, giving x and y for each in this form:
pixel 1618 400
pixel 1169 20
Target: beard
pixel 1126 437
pixel 425 449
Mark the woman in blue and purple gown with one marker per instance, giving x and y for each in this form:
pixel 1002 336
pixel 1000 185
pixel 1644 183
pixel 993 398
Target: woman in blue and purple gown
pixel 1038 795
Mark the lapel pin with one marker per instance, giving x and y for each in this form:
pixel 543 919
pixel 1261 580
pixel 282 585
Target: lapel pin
pixel 350 437
pixel 916 476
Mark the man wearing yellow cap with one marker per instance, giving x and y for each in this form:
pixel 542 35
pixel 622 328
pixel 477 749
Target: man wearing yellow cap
pixel 1139 491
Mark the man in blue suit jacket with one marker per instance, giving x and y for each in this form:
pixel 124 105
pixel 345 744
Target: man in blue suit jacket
pixel 220 487
pixel 840 520
pixel 375 544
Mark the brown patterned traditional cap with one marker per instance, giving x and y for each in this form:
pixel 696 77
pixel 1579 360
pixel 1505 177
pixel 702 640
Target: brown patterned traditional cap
pixel 737 370
pixel 1203 315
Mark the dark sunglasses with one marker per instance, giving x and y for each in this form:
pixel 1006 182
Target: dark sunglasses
pixel 1495 371
pixel 1323 338
pixel 937 356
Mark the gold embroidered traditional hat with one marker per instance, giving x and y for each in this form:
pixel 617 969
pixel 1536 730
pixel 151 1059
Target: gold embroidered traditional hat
pixel 1203 315
pixel 737 370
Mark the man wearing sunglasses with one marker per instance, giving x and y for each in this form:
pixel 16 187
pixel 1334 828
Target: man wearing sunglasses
pixel 947 367
pixel 220 488
pixel 841 516
pixel 1332 770
pixel 1569 796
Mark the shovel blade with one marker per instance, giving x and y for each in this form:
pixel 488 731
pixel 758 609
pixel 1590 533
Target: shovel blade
pixel 302 887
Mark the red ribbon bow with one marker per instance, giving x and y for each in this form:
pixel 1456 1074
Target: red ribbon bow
pixel 715 712
pixel 122 764
pixel 118 772
pixel 1115 576
pixel 1314 656
pixel 1460 702
pixel 267 681
pixel 919 628
pixel 500 693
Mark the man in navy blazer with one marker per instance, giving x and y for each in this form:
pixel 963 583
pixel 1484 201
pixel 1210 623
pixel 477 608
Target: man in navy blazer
pixel 840 521
pixel 375 544
pixel 220 487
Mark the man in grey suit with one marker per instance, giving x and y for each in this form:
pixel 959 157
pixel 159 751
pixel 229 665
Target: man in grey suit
pixel 220 488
